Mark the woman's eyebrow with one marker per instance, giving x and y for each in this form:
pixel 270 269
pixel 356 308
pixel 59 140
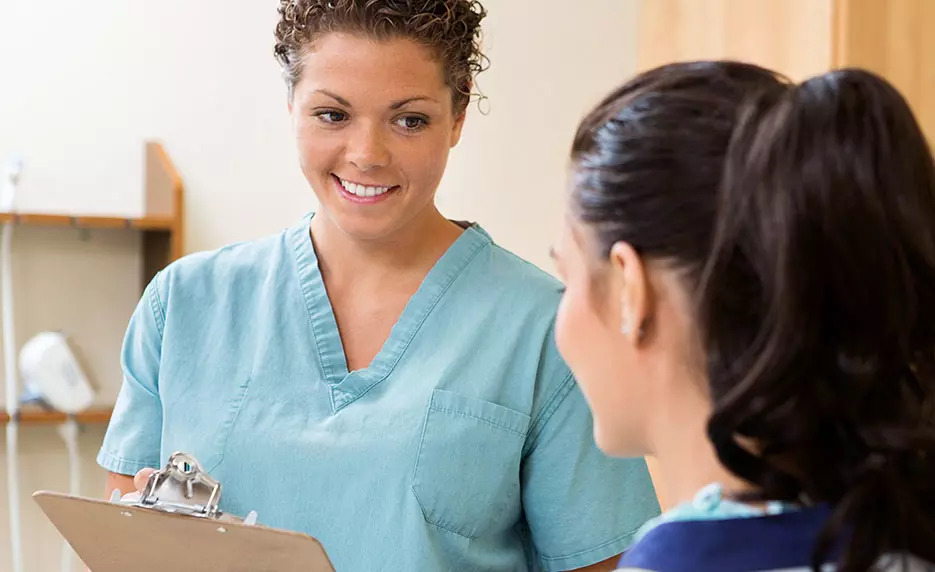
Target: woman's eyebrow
pixel 333 96
pixel 402 102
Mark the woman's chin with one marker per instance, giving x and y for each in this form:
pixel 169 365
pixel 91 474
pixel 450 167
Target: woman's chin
pixel 615 443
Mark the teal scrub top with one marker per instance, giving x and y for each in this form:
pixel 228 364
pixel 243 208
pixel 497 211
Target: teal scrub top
pixel 465 445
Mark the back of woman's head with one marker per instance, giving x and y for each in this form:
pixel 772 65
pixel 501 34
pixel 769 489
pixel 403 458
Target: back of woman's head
pixel 802 218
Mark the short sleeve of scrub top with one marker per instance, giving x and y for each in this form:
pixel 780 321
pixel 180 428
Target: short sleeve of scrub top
pixel 465 445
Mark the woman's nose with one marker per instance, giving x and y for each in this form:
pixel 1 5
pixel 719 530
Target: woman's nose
pixel 367 148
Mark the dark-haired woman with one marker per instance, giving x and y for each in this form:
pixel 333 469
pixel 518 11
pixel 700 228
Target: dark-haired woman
pixel 750 272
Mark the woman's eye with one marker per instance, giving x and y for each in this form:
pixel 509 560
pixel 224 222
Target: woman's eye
pixel 331 116
pixel 412 122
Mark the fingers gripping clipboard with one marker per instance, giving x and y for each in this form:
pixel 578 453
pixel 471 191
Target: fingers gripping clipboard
pixel 174 522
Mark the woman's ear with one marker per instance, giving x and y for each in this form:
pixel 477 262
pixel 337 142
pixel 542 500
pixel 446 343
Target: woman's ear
pixel 457 128
pixel 631 286
pixel 459 118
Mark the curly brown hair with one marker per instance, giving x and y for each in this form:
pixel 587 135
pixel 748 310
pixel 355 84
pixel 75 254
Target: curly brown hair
pixel 449 27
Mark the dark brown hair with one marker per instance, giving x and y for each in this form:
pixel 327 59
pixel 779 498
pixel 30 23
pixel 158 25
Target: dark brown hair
pixel 451 28
pixel 803 219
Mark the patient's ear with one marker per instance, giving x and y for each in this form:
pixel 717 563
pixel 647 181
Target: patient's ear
pixel 631 285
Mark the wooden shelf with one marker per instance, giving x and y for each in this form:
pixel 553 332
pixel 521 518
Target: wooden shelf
pixel 42 417
pixel 161 228
pixel 161 225
pixel 88 222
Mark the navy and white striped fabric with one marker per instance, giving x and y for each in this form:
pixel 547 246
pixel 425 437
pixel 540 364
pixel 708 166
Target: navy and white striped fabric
pixel 770 542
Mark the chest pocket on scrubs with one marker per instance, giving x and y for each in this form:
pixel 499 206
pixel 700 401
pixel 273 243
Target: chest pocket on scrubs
pixel 201 423
pixel 467 473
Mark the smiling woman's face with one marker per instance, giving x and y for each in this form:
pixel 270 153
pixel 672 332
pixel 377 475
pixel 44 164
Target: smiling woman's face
pixel 374 123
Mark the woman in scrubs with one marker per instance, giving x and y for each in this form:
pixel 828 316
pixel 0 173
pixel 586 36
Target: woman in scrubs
pixel 377 376
pixel 750 271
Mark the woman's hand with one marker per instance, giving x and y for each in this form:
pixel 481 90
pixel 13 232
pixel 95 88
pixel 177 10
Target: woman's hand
pixel 141 478
pixel 127 484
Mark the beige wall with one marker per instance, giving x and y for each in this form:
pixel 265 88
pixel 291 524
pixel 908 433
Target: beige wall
pixel 802 38
pixel 82 83
pixel 792 36
pixel 895 39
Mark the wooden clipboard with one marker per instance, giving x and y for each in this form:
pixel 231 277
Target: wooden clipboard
pixel 111 537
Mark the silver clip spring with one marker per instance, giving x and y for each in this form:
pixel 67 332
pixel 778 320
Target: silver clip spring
pixel 183 487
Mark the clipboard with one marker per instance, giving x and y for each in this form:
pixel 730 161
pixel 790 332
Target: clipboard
pixel 153 534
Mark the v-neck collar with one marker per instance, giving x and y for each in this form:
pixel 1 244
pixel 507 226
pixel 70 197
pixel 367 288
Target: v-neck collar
pixel 347 386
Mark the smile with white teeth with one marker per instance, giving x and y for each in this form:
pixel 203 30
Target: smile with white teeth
pixel 362 190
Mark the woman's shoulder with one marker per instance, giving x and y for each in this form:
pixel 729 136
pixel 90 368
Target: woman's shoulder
pixel 769 541
pixel 889 563
pixel 233 266
pixel 784 541
pixel 510 272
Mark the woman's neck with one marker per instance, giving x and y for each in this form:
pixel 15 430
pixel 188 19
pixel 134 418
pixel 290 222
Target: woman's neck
pixel 412 250
pixel 685 457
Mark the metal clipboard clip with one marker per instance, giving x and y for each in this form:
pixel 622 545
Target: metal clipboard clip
pixel 183 487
